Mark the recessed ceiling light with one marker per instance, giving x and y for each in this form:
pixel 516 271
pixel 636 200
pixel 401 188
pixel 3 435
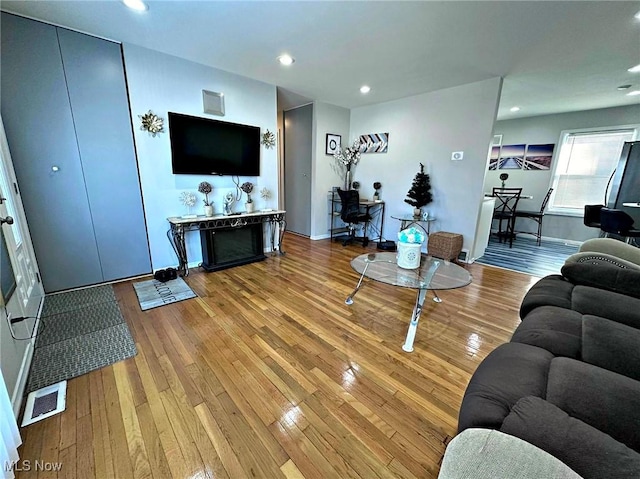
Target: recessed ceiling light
pixel 286 59
pixel 365 89
pixel 637 16
pixel 624 87
pixel 634 93
pixel 635 69
pixel 515 108
pixel 137 5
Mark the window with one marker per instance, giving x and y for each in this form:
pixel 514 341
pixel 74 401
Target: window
pixel 585 162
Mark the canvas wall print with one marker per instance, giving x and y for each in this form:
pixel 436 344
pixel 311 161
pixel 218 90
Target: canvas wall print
pixel 538 157
pixel 374 143
pixel 511 157
pixel 494 157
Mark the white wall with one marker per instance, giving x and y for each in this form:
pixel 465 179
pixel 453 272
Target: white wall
pixel 327 119
pixel 164 83
pixel 426 129
pixel 546 129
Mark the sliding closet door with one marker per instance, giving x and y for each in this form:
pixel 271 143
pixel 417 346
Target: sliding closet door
pixel 98 95
pixel 42 140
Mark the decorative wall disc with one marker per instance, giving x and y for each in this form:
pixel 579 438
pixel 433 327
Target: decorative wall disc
pixel 152 123
pixel 268 139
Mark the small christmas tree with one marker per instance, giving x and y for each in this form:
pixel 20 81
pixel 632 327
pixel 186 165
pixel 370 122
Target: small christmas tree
pixel 420 193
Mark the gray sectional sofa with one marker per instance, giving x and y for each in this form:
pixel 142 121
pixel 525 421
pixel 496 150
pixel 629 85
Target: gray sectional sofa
pixel 569 380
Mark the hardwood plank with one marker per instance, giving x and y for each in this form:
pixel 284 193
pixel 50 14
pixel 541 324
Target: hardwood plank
pixel 290 470
pixel 68 464
pixel 123 461
pixel 102 456
pixel 133 433
pixel 84 452
pixel 68 417
pixel 223 448
pixel 153 445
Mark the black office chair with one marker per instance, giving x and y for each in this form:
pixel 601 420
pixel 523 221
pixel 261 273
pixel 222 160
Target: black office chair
pixel 351 215
pixel 619 223
pixel 592 215
pixel 537 215
pixel 507 199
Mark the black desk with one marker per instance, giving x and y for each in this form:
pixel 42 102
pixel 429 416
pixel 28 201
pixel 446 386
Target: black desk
pixel 180 226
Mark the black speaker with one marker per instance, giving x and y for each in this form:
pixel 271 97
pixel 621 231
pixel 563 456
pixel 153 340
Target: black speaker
pixel 387 245
pixel 164 275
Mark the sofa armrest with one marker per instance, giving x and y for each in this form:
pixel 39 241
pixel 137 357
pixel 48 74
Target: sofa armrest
pixel 612 278
pixel 487 454
pixel 611 345
pixel 509 372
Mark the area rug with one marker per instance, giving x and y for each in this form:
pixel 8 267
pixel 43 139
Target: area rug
pixel 80 331
pixel 152 293
pixel 527 257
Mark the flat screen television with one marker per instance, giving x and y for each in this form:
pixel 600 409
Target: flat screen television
pixel 201 146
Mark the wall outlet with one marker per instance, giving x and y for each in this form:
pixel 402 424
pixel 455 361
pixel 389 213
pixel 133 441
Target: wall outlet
pixel 457 155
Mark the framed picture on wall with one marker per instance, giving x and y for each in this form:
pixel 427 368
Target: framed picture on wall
pixel 538 157
pixel 333 144
pixel 511 157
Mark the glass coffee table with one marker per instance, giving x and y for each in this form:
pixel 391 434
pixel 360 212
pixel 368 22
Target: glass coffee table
pixel 432 275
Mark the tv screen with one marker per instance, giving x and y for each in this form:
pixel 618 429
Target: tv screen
pixel 201 146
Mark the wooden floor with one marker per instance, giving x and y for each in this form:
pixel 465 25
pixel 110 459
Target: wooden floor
pixel 269 374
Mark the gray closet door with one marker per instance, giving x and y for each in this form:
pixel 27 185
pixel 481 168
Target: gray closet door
pixel 42 140
pixel 297 166
pixel 98 95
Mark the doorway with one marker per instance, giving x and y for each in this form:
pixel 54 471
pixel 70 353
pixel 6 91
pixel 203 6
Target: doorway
pixel 298 128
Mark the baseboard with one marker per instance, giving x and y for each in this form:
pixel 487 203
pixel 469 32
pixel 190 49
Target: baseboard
pixel 320 237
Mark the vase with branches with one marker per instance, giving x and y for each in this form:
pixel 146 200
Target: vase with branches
pixel 348 157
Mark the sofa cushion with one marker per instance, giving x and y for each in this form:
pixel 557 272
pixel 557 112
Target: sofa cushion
pixel 509 372
pixel 589 452
pixel 603 399
pixel 551 290
pixel 606 304
pixel 555 329
pixel 611 345
pixel 612 278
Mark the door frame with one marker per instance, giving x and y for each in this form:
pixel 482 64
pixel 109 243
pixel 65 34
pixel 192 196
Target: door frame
pixel 33 307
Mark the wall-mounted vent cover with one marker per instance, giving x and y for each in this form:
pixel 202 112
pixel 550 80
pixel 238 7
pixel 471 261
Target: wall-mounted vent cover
pixel 213 102
pixel 45 402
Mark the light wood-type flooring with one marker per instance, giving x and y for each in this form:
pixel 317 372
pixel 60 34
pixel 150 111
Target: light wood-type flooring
pixel 269 374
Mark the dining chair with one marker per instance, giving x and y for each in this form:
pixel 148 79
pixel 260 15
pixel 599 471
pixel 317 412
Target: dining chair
pixel 507 203
pixel 619 223
pixel 591 216
pixel 351 215
pixel 536 215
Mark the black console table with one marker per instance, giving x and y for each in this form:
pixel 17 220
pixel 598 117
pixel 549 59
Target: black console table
pixel 180 226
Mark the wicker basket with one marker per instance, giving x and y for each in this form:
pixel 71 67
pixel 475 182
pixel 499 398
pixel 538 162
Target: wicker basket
pixel 445 245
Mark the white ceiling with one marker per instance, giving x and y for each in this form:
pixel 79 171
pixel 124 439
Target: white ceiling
pixel 555 56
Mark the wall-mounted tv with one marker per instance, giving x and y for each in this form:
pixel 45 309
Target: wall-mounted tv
pixel 201 146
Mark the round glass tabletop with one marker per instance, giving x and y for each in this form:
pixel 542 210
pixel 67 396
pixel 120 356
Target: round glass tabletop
pixel 412 218
pixel 433 273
